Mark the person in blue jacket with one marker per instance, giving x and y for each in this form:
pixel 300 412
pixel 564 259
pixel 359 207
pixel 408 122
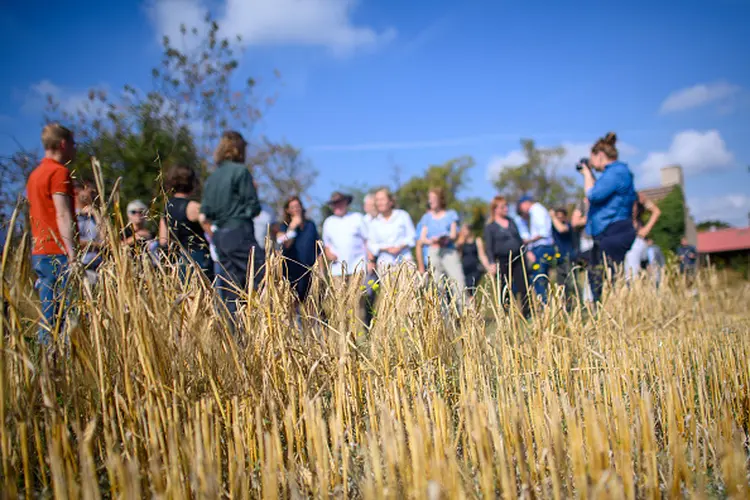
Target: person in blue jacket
pixel 300 245
pixel 611 199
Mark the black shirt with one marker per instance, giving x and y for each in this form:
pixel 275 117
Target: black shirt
pixel 189 234
pixel 500 242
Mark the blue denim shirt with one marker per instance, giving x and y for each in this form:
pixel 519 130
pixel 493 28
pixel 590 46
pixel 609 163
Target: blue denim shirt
pixel 611 199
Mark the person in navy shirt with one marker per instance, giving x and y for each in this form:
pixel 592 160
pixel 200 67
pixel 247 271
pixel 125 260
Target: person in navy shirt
pixel 611 198
pixel 565 246
pixel 299 239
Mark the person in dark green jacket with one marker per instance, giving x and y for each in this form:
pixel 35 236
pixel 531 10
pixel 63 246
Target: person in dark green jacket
pixel 230 202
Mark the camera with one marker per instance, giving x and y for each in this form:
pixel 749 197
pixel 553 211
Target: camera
pixel 583 162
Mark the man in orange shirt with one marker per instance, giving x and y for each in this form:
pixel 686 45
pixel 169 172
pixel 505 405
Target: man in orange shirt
pixel 50 193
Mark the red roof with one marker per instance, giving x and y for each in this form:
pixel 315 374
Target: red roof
pixel 724 240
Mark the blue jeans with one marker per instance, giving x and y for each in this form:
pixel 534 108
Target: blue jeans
pixel 540 269
pixel 51 271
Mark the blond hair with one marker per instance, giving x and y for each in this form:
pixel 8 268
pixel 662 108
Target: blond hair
pixel 53 134
pixel 232 147
pixel 388 194
pixel 493 206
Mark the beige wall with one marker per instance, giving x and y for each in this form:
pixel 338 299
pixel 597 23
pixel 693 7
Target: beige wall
pixel 672 176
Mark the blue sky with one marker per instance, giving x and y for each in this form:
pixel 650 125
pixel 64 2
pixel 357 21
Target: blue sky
pixel 367 84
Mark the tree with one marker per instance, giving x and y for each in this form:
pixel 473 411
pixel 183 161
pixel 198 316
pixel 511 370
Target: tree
pixel 197 93
pixel 538 177
pixel 670 227
pixel 451 176
pixel 707 225
pixel 136 142
pixel 282 172
pixel 475 212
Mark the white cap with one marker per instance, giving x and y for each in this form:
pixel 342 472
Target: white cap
pixel 136 206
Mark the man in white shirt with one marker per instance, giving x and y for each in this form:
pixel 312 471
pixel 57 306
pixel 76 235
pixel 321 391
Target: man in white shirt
pixel 540 242
pixel 345 243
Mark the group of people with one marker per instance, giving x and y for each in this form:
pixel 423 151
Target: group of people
pixel 225 234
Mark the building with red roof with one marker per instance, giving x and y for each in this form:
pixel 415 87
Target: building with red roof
pixel 724 240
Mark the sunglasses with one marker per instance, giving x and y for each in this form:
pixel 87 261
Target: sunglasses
pixel 136 212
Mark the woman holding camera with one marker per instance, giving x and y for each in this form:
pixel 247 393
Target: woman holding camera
pixel 610 215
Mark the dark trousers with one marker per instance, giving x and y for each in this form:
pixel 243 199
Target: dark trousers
pixel 473 277
pixel 511 274
pixel 300 277
pixel 201 259
pixel 234 247
pixel 609 249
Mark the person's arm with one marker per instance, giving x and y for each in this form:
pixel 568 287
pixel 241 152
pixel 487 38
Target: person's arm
pixel 454 231
pixel 328 250
pixel 374 244
pixel 655 214
pixel 600 190
pixel 483 256
pixel 423 236
pixel 489 249
pixel 408 238
pixel 248 194
pixel 64 217
pixel 163 232
pixel 418 249
pixel 557 223
pixel 578 220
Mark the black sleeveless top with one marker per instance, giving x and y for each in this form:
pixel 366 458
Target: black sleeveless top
pixel 188 233
pixel 470 257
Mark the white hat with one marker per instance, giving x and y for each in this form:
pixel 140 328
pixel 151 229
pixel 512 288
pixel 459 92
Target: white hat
pixel 136 206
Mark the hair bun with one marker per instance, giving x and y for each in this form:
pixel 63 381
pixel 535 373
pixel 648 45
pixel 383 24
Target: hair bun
pixel 610 138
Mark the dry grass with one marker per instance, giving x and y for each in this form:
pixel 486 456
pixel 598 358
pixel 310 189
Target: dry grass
pixel 152 397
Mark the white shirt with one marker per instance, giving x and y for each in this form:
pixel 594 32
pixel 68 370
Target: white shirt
pixel 347 238
pixel 540 224
pixel 396 231
pixel 261 222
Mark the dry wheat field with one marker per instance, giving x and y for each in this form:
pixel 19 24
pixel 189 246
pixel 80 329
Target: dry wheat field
pixel 154 396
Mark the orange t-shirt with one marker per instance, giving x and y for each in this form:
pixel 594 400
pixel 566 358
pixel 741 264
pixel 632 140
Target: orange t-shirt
pixel 50 177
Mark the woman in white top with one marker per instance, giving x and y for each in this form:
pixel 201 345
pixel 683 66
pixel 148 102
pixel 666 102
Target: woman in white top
pixel 392 234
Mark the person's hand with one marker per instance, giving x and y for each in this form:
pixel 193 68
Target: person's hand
pixel 642 233
pixel 552 213
pixel 332 257
pixel 295 222
pixel 421 269
pixel 492 269
pixel 370 267
pixel 393 250
pixel 530 255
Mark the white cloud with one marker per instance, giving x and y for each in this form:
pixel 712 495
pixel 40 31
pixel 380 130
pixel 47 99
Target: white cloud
pixel 719 93
pixel 35 99
pixel 324 23
pixel 499 163
pixel 695 151
pixel 574 151
pixel 731 208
